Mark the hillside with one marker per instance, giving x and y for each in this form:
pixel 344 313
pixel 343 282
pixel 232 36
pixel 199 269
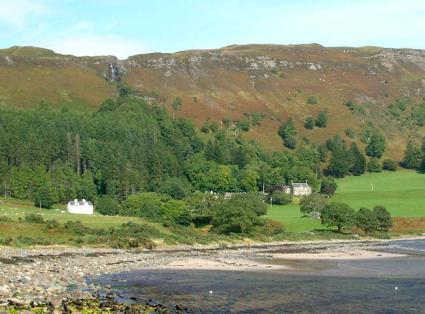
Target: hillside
pixel 270 80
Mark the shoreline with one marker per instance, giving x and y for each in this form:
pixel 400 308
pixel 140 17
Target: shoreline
pixel 52 274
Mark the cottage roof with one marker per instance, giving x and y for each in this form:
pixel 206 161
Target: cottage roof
pixel 80 203
pixel 300 185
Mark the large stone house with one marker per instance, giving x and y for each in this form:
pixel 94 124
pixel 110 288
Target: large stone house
pixel 297 189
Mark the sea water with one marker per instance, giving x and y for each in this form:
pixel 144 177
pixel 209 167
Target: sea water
pixel 395 285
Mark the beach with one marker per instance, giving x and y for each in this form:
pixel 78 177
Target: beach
pixel 52 274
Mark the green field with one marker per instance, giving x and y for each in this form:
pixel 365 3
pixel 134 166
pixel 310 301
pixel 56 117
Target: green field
pixel 401 192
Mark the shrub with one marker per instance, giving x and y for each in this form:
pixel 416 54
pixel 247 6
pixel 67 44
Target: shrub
pixel 384 218
pixel 176 212
pixel 271 227
pixel 281 198
pixel 328 186
pixel 309 123
pixel 312 100
pixel 76 227
pixel 374 165
pixel 349 132
pixel 313 203
pixel 389 165
pixel 238 214
pixel 52 224
pixel 146 205
pixel 321 120
pixel 338 215
pixel 34 218
pixel 107 205
pixel 366 220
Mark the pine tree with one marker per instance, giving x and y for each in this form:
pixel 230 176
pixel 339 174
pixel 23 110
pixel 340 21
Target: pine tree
pixel 412 156
pixel 358 166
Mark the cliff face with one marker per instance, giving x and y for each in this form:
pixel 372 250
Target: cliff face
pixel 274 81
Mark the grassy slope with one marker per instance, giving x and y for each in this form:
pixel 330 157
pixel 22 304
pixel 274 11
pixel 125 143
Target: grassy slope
pixel 225 85
pixel 402 192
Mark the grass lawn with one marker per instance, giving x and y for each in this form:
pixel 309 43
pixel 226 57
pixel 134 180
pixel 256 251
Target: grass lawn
pixel 16 209
pixel 401 192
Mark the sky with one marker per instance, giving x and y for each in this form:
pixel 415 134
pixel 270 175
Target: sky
pixel 128 27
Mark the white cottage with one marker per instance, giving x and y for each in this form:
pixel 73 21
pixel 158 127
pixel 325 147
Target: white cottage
pixel 80 207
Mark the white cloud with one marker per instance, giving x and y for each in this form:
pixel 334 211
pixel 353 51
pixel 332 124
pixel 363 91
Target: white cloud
pixel 96 45
pixel 17 12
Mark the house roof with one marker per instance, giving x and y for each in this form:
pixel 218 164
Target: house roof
pixel 80 203
pixel 300 185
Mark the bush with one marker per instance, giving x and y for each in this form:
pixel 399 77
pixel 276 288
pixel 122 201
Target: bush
pixel 389 165
pixel 271 227
pixel 367 221
pixel 313 203
pixel 338 215
pixel 312 100
pixel 321 120
pixel 281 198
pixel 328 186
pixel 34 218
pixel 374 165
pixel 309 123
pixel 107 205
pixel 238 214
pixel 176 212
pixel 384 218
pixel 76 227
pixel 146 205
pixel 52 224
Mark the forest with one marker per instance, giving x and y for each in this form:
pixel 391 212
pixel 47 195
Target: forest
pixel 129 156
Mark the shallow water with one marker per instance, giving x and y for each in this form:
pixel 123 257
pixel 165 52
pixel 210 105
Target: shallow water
pixel 359 286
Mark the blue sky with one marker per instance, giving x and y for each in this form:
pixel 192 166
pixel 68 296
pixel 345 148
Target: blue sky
pixel 127 27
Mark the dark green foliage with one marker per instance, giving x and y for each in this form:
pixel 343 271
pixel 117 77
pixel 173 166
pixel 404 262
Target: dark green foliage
pixel 376 145
pixel 287 132
pixel 239 214
pixel 366 220
pixel 175 212
pixel 107 205
pixel 243 125
pixel 328 186
pixel 176 187
pixel 45 196
pixel 146 205
pixel 418 115
pixel 358 166
pixel 309 123
pixel 313 203
pixel 355 108
pixel 34 218
pixel 341 160
pixel 374 165
pixel 412 156
pixel 321 120
pixel 281 198
pixel 389 164
pixel 338 215
pixel 383 217
pixel 312 100
pixel 349 132
pixel 52 224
